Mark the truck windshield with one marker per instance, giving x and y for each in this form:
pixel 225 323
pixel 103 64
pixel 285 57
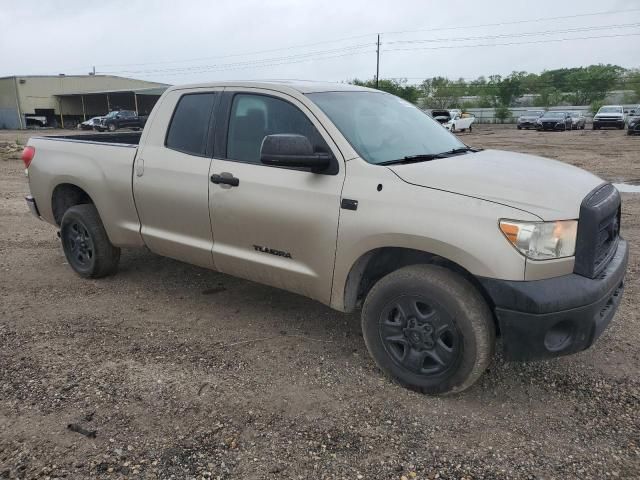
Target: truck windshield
pixel 382 127
pixel 610 110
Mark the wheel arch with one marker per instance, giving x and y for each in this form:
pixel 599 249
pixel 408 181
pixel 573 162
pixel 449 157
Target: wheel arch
pixel 375 264
pixel 66 195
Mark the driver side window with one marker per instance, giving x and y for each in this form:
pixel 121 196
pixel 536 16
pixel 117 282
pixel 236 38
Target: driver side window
pixel 253 117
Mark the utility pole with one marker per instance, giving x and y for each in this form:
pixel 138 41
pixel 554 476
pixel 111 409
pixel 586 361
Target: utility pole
pixel 378 61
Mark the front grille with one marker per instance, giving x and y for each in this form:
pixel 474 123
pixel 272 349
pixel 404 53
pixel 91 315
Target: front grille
pixel 598 230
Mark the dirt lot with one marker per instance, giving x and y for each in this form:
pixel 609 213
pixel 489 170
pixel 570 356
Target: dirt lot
pixel 187 373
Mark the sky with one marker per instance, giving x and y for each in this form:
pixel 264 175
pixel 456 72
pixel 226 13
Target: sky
pixel 190 41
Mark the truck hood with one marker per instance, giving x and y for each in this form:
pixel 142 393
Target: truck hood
pixel 608 115
pixel 546 188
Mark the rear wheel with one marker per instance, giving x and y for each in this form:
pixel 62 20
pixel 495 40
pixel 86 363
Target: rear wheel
pixel 86 244
pixel 429 329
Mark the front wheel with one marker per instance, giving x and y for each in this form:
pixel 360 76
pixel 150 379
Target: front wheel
pixel 112 127
pixel 429 329
pixel 86 244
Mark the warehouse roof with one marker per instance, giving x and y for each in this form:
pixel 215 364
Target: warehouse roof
pixel 137 91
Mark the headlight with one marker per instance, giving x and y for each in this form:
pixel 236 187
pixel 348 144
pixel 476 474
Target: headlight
pixel 542 240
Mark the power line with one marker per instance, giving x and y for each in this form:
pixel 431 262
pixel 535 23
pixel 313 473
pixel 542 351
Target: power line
pixel 515 35
pixel 306 55
pixel 516 22
pixel 216 69
pixel 360 48
pixel 291 47
pixel 511 43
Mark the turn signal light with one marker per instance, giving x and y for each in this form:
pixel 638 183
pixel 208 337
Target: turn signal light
pixel 27 155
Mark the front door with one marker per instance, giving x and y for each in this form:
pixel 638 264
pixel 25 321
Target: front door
pixel 171 177
pixel 277 226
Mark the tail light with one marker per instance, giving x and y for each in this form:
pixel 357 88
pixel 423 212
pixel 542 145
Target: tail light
pixel 27 155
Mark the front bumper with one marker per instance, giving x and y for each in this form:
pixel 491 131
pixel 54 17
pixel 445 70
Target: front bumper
pixel 552 126
pixel 557 316
pixel 609 123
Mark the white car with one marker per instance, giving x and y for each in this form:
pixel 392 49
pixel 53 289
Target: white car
pixel 459 122
pixel 90 124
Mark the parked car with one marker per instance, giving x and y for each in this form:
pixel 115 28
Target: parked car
pixel 554 121
pixel 578 120
pixel 609 116
pixel 35 121
pixel 120 119
pixel 529 118
pixel 633 127
pixel 91 124
pixel 441 116
pixel 354 198
pixel 459 122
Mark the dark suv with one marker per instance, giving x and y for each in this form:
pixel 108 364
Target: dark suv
pixel 120 119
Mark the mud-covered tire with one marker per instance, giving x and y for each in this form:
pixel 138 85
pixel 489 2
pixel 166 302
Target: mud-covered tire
pixel 421 313
pixel 85 243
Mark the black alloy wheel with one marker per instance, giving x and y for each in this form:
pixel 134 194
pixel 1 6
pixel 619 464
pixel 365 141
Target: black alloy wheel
pixel 419 335
pixel 86 244
pixel 79 244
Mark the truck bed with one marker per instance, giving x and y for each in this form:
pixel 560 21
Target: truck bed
pixel 117 138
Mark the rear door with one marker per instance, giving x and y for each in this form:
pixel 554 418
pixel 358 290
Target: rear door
pixel 171 177
pixel 277 226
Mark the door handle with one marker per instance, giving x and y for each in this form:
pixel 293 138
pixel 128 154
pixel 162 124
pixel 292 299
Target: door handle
pixel 225 179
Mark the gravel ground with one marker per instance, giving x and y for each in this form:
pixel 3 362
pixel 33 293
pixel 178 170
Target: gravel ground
pixel 171 371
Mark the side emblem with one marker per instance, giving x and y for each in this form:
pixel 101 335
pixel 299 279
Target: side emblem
pixel 272 251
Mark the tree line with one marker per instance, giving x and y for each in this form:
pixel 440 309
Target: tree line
pixel 575 86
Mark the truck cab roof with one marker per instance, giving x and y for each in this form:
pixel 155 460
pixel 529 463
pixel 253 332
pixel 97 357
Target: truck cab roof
pixel 300 86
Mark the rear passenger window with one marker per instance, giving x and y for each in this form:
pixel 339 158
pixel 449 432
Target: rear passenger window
pixel 190 124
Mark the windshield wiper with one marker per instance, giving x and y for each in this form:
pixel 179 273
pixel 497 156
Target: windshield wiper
pixel 424 157
pixel 455 151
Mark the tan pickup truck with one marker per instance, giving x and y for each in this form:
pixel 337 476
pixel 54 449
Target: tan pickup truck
pixel 356 199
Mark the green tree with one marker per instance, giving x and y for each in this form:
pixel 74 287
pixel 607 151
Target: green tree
pixel 592 83
pixel 502 113
pixel 632 82
pixel 440 92
pixel 400 88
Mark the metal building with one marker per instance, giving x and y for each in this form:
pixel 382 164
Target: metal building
pixel 66 100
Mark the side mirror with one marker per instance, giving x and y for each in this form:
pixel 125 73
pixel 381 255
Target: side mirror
pixel 117 116
pixel 290 150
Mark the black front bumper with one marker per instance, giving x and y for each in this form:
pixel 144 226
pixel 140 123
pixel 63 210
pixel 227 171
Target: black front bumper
pixel 557 316
pixel 609 123
pixel 552 126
